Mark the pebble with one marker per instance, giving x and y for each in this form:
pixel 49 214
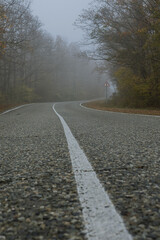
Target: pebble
pixel 21 219
pixel 2 237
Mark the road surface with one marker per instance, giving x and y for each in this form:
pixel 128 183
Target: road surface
pixel 38 192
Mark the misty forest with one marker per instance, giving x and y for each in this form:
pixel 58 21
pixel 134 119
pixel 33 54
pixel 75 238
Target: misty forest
pixel 35 66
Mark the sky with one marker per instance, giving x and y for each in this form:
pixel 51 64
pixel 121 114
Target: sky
pixel 58 17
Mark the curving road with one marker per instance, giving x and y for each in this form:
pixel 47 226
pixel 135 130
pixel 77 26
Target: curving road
pixel 38 191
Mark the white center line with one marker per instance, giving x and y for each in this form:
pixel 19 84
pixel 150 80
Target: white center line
pixel 102 222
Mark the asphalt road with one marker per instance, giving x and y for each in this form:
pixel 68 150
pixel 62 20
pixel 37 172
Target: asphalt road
pixel 38 194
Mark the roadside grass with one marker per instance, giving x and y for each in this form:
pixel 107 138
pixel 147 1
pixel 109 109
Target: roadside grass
pixel 102 105
pixel 6 107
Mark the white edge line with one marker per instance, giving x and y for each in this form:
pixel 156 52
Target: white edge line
pixel 102 222
pixel 135 114
pixel 13 109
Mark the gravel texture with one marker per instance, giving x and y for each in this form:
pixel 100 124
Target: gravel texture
pixel 38 196
pixel 124 150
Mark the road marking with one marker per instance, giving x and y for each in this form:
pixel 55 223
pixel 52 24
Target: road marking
pixel 102 222
pixel 13 109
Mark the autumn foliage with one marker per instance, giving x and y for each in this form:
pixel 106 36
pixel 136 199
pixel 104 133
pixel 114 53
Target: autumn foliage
pixel 127 33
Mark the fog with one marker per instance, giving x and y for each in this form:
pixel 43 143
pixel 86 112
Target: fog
pixel 58 17
pixel 38 65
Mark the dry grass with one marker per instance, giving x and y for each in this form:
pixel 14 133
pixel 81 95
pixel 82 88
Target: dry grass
pixel 101 105
pixel 4 108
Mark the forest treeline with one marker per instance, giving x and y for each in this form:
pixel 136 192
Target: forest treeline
pixel 34 66
pixel 127 33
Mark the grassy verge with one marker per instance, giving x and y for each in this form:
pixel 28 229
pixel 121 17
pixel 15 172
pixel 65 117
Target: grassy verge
pixel 101 105
pixel 4 108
